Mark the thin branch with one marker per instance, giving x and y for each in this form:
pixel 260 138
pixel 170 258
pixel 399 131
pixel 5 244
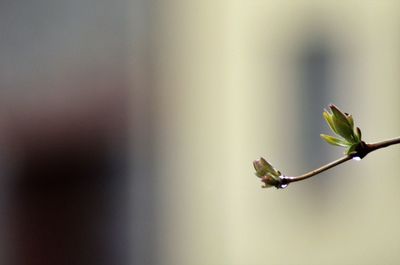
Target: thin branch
pixel 342 124
pixel 288 179
pixel 379 145
pixel 365 149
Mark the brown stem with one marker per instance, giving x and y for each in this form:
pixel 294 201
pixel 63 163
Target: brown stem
pixel 361 152
pixel 288 179
pixel 379 145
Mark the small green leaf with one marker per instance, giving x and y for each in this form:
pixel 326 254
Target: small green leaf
pixel 339 115
pixel 264 168
pixel 342 124
pixel 335 141
pixel 352 150
pixel 351 121
pixel 328 118
pixel 358 134
pixel 343 129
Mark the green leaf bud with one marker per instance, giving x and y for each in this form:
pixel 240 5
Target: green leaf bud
pixel 334 141
pixel 263 168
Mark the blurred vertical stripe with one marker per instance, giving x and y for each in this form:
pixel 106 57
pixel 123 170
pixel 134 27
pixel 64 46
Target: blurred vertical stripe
pixel 64 96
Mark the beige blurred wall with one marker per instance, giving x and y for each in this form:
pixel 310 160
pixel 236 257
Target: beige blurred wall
pixel 226 92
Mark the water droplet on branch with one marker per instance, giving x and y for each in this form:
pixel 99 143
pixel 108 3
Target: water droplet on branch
pixel 283 186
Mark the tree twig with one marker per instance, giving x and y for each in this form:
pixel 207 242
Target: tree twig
pixel 383 144
pixel 360 153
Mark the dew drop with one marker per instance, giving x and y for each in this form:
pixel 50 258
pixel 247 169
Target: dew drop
pixel 357 158
pixel 283 186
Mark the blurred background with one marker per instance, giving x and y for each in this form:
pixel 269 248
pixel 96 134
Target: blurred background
pixel 128 131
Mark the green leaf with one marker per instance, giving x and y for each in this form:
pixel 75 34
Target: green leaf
pixel 350 120
pixel 343 129
pixel 351 150
pixel 264 168
pixel 335 141
pixel 339 115
pixel 328 118
pixel 358 134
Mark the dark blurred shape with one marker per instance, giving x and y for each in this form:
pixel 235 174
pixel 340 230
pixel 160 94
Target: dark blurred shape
pixel 316 70
pixel 68 190
pixel 64 98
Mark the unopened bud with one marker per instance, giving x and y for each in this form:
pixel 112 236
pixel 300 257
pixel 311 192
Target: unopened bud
pixel 268 174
